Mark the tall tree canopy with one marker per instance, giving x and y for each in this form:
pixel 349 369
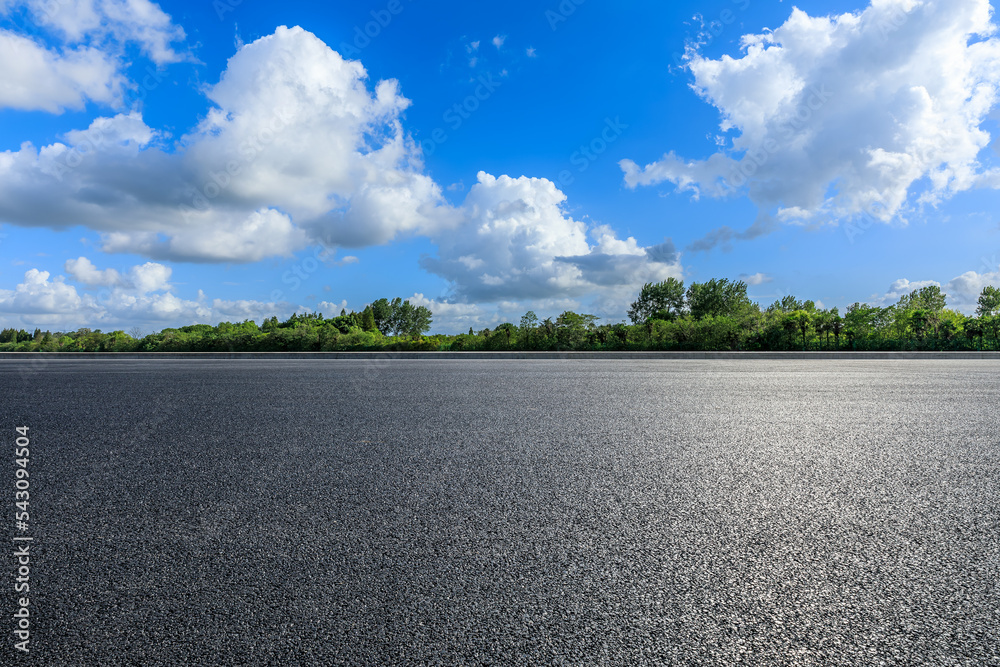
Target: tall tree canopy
pixel 718 298
pixel 663 300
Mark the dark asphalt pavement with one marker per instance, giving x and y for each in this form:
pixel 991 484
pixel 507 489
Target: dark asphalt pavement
pixel 507 512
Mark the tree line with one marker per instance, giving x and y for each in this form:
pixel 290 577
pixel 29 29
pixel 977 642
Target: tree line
pixel 713 315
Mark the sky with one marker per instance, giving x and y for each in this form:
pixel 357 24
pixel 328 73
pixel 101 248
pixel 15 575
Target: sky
pixel 171 163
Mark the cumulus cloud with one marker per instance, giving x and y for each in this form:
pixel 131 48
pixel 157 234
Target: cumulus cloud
pixel 104 23
pixel 111 299
pixel 837 117
pixel 148 277
pixel 86 64
pixel 516 242
pixel 454 317
pixel 328 164
pixel 962 291
pixel 901 288
pixel 82 270
pixel 39 78
pixel 330 309
pixel 38 295
pixel 756 279
pixel 255 179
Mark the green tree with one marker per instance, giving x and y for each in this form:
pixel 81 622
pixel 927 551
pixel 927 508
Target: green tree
pixel 420 321
pixel 929 298
pixel 382 312
pixel 836 326
pixel 787 304
pixel 528 323
pixel 823 322
pixel 991 324
pixel 799 321
pixel 506 332
pixel 920 322
pixel 571 329
pixel 368 320
pixel 974 329
pixel 718 298
pixel 663 300
pixel 989 301
pixel 407 319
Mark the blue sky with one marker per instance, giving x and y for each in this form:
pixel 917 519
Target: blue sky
pixel 164 164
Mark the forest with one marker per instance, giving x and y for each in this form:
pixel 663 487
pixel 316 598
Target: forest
pixel 712 316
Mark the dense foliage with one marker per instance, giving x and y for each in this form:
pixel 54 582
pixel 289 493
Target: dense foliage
pixel 715 315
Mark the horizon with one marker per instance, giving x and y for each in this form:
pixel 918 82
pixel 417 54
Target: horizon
pixel 164 164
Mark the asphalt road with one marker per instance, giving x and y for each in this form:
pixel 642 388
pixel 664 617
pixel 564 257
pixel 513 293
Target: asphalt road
pixel 507 512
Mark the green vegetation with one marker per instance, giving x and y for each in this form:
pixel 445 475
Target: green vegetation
pixel 715 315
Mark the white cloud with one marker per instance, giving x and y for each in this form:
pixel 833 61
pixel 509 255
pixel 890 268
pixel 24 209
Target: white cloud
pixel 38 295
pixel 330 309
pixel 38 78
pixel 517 243
pixel 453 317
pixel 144 23
pixel 139 295
pixel 531 52
pixel 901 288
pixel 82 270
pixel 756 279
pixel 499 40
pixel 243 309
pixel 223 238
pixel 962 291
pixel 85 60
pixel 840 116
pixel 99 22
pixel 149 277
pixel 145 278
pixel 456 317
pixel 327 164
pixel 330 163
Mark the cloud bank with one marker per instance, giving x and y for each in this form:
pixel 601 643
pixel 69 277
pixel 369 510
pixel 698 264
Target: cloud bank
pixel 298 150
pixel 82 58
pixel 834 117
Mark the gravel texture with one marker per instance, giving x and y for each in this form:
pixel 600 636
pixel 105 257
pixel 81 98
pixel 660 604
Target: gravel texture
pixel 509 512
